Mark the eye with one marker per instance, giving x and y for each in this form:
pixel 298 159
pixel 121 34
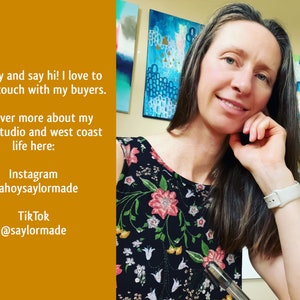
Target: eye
pixel 262 77
pixel 229 60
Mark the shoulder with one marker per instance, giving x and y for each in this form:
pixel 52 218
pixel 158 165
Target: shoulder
pixel 126 146
pixel 132 141
pixel 158 141
pixel 119 160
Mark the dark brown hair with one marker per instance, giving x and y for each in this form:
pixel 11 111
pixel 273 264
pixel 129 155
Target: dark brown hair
pixel 238 213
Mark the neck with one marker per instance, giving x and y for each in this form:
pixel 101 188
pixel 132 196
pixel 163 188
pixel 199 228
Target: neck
pixel 192 152
pixel 199 154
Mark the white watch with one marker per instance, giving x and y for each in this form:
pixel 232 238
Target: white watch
pixel 281 197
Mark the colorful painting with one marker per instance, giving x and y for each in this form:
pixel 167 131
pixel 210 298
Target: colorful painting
pixel 126 17
pixel 297 73
pixel 169 38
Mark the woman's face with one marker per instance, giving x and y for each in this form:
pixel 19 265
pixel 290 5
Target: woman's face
pixel 237 75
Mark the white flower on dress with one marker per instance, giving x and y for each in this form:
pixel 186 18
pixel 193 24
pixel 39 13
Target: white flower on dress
pixel 200 222
pixel 193 210
pixel 209 234
pixel 206 283
pixel 176 285
pixel 129 180
pixel 136 244
pixel 189 194
pixel 140 270
pixel 152 222
pixel 182 265
pixel 148 252
pixel 127 251
pixel 157 275
pixel 151 296
pixel 237 275
pixel 141 274
pixel 130 261
pixel 230 259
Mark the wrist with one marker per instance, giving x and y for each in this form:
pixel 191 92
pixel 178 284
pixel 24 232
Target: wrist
pixel 273 179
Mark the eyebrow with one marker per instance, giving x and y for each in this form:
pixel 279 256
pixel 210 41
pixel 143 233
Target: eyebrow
pixel 261 65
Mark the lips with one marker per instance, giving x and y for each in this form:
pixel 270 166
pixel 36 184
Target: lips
pixel 232 105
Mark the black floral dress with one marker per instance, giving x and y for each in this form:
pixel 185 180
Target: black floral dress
pixel 163 238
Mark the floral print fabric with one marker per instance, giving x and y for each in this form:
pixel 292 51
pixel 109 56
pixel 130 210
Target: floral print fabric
pixel 164 240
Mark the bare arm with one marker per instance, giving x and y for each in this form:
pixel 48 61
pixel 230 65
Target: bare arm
pixel 273 273
pixel 264 158
pixel 282 273
pixel 120 160
pixel 288 223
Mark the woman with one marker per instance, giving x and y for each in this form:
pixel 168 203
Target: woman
pixel 195 193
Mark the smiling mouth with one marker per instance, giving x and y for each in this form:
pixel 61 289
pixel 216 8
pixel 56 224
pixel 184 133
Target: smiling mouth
pixel 232 104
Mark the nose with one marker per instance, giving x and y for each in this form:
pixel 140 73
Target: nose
pixel 242 81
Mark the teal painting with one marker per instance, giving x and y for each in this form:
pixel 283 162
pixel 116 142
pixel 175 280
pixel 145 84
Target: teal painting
pixel 126 24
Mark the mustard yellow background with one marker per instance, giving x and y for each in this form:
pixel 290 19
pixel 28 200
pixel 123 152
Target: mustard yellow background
pixel 37 36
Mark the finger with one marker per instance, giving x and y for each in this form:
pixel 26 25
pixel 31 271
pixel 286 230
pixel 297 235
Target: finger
pixel 255 118
pixel 262 127
pixel 258 127
pixel 248 124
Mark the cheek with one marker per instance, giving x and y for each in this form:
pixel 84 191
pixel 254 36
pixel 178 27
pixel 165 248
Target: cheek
pixel 211 79
pixel 261 103
pixel 209 70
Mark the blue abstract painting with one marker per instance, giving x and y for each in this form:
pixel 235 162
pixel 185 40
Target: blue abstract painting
pixel 169 38
pixel 296 59
pixel 126 23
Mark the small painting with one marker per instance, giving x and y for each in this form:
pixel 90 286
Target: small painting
pixel 297 75
pixel 169 38
pixel 126 25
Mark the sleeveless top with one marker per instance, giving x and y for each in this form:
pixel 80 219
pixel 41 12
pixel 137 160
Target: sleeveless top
pixel 163 236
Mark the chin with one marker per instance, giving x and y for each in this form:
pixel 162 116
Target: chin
pixel 225 129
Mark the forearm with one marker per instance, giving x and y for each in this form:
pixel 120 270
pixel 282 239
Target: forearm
pixel 288 223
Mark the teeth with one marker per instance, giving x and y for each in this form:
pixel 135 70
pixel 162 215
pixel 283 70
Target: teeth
pixel 232 105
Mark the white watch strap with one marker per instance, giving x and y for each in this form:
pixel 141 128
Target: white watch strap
pixel 281 197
